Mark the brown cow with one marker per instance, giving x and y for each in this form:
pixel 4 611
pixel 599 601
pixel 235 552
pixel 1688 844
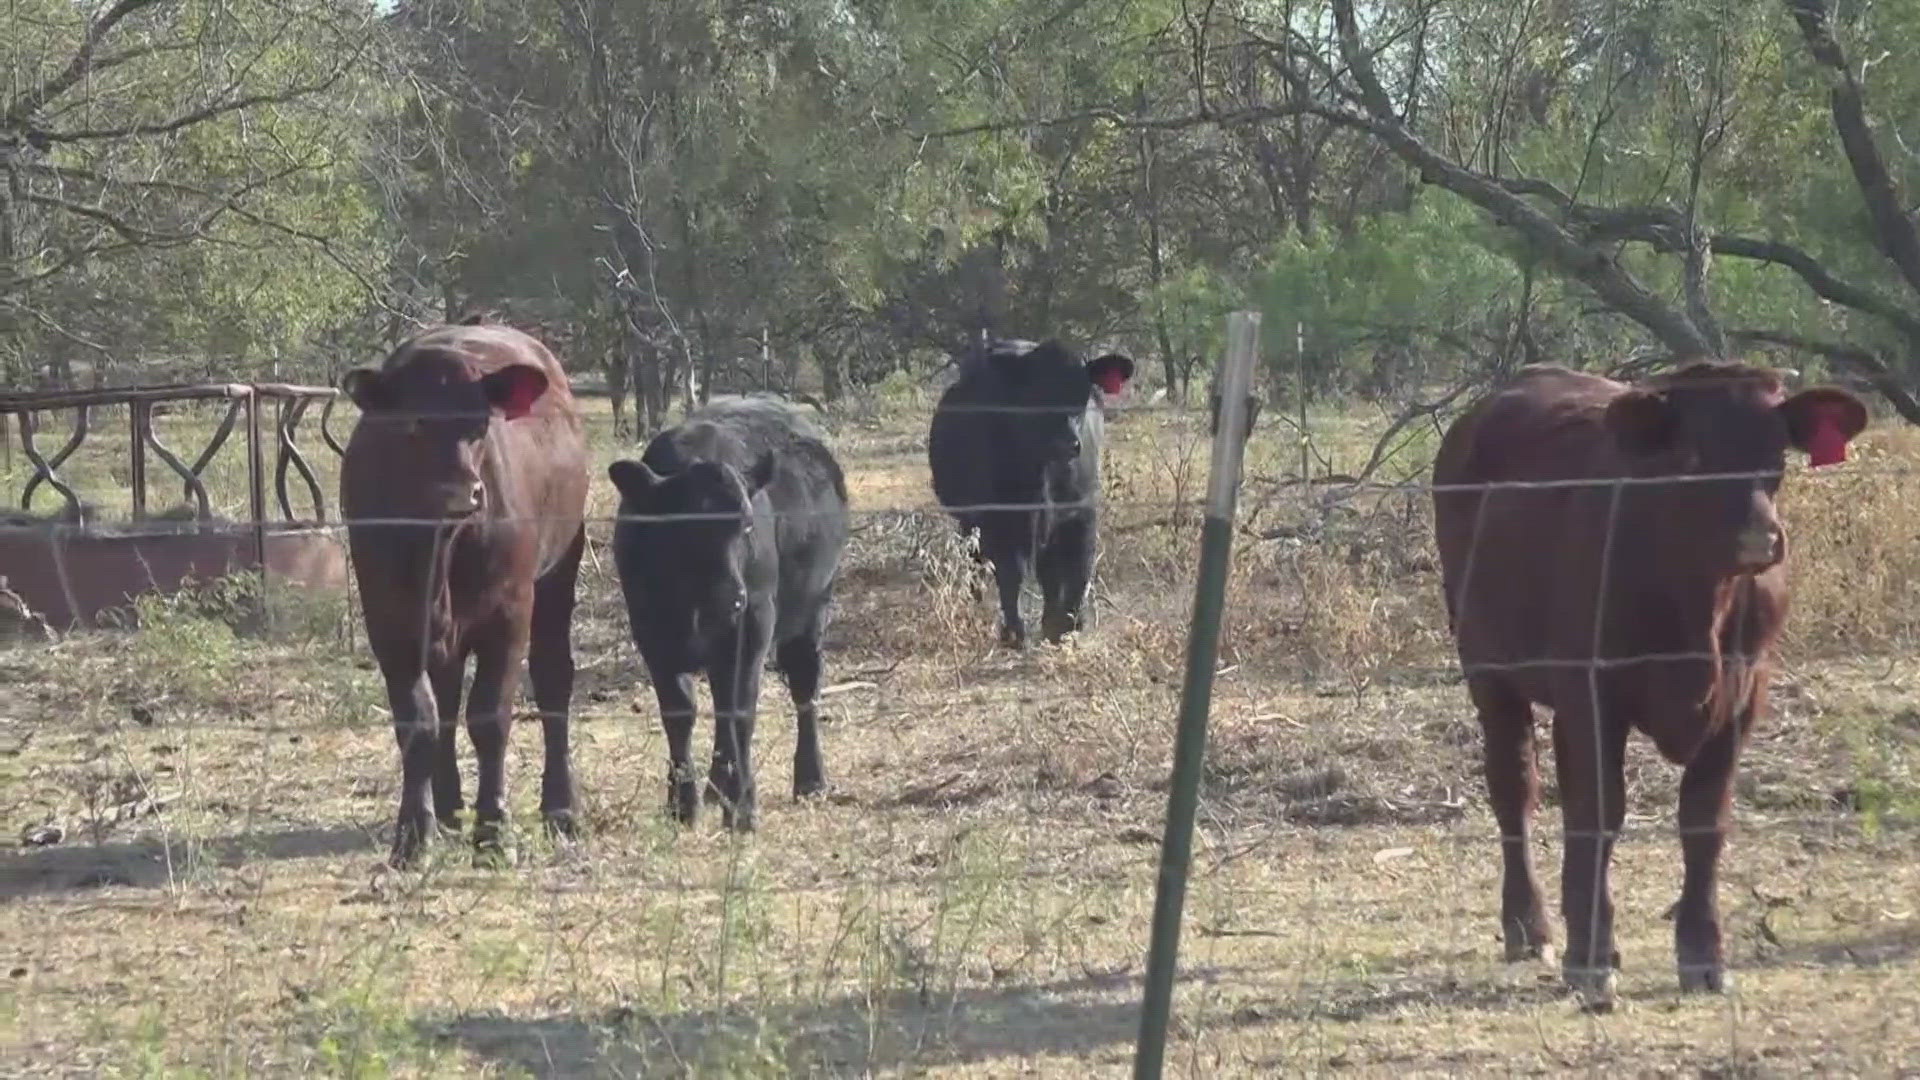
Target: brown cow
pixel 1620 603
pixel 464 487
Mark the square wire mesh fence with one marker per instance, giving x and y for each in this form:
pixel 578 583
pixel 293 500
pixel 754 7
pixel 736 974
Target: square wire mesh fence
pixel 204 797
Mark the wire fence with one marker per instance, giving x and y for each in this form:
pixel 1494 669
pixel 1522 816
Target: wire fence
pixel 205 805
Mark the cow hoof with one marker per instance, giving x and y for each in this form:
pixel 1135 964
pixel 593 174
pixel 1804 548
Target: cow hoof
pixel 404 856
pixel 807 789
pixel 1594 990
pixel 1520 952
pixel 410 834
pixel 1703 978
pixel 559 824
pixel 1057 630
pixel 1594 994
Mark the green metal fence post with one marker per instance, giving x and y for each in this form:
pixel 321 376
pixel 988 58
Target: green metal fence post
pixel 1190 738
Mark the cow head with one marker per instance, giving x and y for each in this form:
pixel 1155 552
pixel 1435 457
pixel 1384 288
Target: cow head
pixel 1723 430
pixel 695 533
pixel 1048 390
pixel 433 415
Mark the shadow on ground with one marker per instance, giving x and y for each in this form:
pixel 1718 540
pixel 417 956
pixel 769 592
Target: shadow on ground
pixel 1096 1018
pixel 155 863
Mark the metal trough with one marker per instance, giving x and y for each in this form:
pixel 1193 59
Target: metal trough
pixel 70 570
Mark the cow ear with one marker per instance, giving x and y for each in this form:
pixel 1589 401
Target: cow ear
pixel 1111 372
pixel 367 388
pixel 513 389
pixel 632 479
pixel 1821 420
pixel 1642 422
pixel 760 473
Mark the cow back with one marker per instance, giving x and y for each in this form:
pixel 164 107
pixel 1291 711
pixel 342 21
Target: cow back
pixel 804 507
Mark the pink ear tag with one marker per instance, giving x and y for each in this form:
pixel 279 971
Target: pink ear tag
pixel 1826 444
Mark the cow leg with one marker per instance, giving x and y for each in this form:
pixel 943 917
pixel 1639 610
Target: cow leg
pixel 1009 569
pixel 735 681
pixel 1706 802
pixel 550 671
pixel 674 690
pixel 416 721
pixel 1066 566
pixel 1590 760
pixel 490 726
pixel 445 680
pixel 799 661
pixel 1513 790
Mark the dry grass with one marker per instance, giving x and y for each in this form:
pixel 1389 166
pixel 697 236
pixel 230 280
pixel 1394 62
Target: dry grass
pixel 972 900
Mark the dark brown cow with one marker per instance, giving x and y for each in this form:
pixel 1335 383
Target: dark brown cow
pixel 464 486
pixel 1621 604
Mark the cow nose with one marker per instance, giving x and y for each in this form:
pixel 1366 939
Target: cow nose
pixel 1759 547
pixel 464 498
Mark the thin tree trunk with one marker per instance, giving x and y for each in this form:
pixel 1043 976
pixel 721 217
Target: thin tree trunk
pixel 616 367
pixel 1156 266
pixel 832 372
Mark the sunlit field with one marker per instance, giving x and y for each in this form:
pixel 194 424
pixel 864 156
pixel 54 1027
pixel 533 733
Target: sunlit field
pixel 972 898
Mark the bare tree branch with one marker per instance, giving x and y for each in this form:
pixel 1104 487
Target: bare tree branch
pixel 55 327
pixel 1894 230
pixel 205 113
pixel 1593 267
pixel 126 229
pixel 1251 114
pixel 1664 229
pixel 1868 363
pixel 83 63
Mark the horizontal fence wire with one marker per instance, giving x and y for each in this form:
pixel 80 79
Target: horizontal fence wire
pixel 1268 944
pixel 24 523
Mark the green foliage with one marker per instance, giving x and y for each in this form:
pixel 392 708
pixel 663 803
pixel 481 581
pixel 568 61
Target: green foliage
pixel 1418 284
pixel 195 193
pixel 1194 304
pixel 870 186
pixel 186 647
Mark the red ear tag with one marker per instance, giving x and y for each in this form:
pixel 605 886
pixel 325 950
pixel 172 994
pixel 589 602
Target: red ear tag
pixel 1110 380
pixel 1826 445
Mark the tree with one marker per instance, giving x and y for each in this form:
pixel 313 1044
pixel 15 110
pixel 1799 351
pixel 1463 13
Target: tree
pixel 1730 150
pixel 178 175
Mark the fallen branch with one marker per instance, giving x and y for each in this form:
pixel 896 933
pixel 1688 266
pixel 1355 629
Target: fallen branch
pixel 847 687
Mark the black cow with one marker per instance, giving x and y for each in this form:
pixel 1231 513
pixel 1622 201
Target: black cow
pixel 732 525
pixel 1015 452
